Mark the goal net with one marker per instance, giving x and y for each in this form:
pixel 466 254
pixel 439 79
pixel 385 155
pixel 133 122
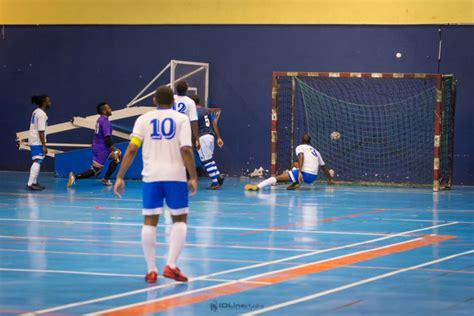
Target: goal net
pixel 370 128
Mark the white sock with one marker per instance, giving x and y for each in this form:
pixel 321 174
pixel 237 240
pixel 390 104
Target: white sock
pixel 177 239
pixel 265 183
pixel 34 172
pixel 149 244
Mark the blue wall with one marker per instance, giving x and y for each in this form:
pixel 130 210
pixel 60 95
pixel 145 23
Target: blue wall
pixel 82 65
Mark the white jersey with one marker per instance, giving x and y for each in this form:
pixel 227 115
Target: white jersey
pixel 163 133
pixel 185 105
pixel 38 123
pixel 312 158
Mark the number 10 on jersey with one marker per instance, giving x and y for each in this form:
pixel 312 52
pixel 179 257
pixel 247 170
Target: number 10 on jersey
pixel 164 129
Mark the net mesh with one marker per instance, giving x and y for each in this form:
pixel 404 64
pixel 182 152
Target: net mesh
pixel 195 76
pixel 385 126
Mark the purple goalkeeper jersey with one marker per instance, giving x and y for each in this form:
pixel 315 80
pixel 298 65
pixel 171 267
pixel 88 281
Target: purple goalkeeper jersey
pixel 103 128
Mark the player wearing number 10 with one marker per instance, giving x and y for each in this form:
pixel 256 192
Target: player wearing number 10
pixel 306 170
pixel 165 137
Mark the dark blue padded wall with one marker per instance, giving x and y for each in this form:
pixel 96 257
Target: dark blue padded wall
pixel 82 65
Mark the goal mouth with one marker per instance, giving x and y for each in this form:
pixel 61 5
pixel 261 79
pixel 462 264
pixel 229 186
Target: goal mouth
pixel 371 128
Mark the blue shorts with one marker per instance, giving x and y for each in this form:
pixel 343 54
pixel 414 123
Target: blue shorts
pixel 36 152
pixel 174 192
pixel 307 177
pixel 100 156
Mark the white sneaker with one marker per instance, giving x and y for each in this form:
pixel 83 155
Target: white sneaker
pixel 71 180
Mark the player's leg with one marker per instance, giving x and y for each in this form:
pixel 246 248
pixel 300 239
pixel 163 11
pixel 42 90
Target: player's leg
pixel 37 156
pixel 284 177
pixel 177 200
pixel 114 158
pixel 206 153
pixel 293 175
pixel 152 208
pixel 93 171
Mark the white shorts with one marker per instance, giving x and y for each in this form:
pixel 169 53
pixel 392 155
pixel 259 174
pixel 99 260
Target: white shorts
pixel 207 147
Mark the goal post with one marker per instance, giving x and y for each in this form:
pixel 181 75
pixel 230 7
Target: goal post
pixel 391 128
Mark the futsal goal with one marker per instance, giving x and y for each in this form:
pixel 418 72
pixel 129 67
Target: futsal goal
pixel 371 128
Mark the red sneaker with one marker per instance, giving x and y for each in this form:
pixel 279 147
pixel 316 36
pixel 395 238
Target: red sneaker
pixel 151 277
pixel 174 274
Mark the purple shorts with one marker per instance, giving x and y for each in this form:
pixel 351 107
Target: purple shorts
pixel 100 155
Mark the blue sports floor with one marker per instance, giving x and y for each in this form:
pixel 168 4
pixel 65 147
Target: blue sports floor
pixel 322 250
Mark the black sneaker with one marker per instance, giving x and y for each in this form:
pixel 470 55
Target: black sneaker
pixel 214 187
pixel 220 179
pixel 41 186
pixel 34 187
pixel 293 186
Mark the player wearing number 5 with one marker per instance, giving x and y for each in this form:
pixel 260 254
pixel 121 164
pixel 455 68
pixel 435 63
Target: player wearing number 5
pixel 309 159
pixel 207 129
pixel 184 104
pixel 165 137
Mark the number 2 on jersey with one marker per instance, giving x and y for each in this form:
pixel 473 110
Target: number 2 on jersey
pixel 166 129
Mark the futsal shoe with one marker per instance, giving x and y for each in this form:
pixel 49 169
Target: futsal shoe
pixel 42 187
pixel 151 277
pixel 220 179
pixel 214 187
pixel 34 187
pixel 71 179
pixel 251 187
pixel 106 182
pixel 174 274
pixel 293 186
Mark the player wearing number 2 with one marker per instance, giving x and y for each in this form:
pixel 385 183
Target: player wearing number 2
pixel 309 159
pixel 165 137
pixel 184 104
pixel 207 129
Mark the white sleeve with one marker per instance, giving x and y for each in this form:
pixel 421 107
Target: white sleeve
pixel 184 134
pixel 320 159
pixel 192 111
pixel 139 129
pixel 299 150
pixel 41 121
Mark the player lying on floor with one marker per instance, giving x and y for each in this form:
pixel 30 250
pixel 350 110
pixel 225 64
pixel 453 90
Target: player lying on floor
pixel 102 149
pixel 309 159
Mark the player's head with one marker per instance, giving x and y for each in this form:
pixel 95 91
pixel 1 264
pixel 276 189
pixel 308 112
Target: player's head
pixel 181 88
pixel 43 101
pixel 196 100
pixel 306 139
pixel 164 97
pixel 104 109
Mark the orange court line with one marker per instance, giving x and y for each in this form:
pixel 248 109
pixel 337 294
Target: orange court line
pixel 323 220
pixel 275 277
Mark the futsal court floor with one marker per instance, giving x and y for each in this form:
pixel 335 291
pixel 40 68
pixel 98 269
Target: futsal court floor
pixel 339 250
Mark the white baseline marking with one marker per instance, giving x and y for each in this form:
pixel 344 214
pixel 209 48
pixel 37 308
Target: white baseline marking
pixel 111 297
pixel 354 284
pixel 194 227
pixel 73 272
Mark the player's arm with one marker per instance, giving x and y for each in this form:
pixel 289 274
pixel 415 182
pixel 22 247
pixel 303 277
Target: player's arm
pixel 300 163
pixel 41 133
pixel 220 142
pixel 327 173
pixel 127 160
pixel 193 117
pixel 187 154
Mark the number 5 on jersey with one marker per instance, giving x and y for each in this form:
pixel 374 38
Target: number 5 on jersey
pixel 165 128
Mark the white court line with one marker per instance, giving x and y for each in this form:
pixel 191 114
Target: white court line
pixel 70 222
pixel 419 220
pixel 126 242
pixel 250 278
pixel 74 272
pixel 249 282
pixel 354 284
pixel 111 297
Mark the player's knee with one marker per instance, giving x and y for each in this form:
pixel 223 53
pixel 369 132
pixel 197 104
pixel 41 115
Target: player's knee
pixel 180 218
pixel 96 170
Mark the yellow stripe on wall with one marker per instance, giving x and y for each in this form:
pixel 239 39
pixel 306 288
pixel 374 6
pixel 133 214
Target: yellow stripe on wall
pixel 236 11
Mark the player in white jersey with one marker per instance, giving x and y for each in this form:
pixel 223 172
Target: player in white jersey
pixel 309 159
pixel 184 104
pixel 165 138
pixel 37 139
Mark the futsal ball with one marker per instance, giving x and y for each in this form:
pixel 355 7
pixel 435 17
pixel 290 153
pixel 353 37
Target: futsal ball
pixel 332 172
pixel 335 135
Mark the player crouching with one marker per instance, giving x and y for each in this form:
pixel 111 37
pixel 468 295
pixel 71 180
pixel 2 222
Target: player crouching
pixel 309 159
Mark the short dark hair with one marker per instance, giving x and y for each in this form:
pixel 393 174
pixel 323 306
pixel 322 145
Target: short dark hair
pixel 100 107
pixel 195 98
pixel 306 139
pixel 164 95
pixel 38 99
pixel 181 88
